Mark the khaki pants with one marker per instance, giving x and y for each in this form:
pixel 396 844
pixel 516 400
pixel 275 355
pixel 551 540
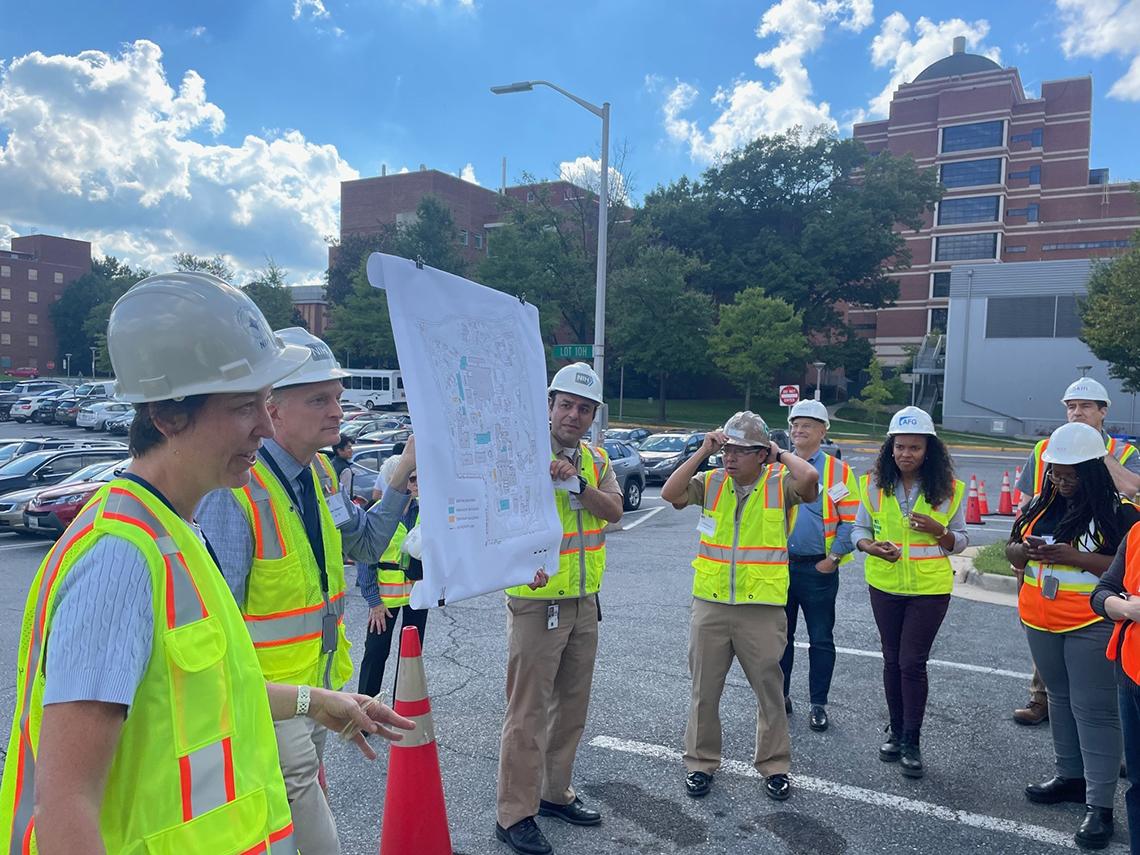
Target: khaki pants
pixel 756 635
pixel 549 674
pixel 301 744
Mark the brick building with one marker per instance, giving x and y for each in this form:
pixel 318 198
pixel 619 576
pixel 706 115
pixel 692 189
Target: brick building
pixel 1018 182
pixel 33 275
pixel 310 303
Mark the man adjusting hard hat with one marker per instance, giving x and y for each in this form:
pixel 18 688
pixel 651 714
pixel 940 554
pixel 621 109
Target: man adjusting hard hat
pixel 552 629
pixel 1086 402
pixel 740 590
pixel 280 541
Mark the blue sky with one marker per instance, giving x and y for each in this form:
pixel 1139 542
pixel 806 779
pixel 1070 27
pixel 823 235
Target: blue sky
pixel 151 128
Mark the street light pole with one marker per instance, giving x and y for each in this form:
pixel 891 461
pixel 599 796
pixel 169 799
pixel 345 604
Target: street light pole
pixel 603 113
pixel 819 366
pixel 67 364
pixel 94 350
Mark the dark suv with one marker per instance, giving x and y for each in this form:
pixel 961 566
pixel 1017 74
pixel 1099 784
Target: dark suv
pixel 47 467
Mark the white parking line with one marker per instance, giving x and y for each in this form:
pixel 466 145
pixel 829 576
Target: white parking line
pixel 940 663
pixel 1021 830
pixel 29 545
pixel 648 514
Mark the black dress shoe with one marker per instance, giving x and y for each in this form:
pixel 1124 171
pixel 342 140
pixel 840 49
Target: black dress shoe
pixel 697 784
pixel 817 718
pixel 891 750
pixel 787 705
pixel 910 763
pixel 525 837
pixel 1057 790
pixel 574 813
pixel 1095 831
pixel 778 787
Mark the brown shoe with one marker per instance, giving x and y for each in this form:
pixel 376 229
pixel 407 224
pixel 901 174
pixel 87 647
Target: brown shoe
pixel 1032 713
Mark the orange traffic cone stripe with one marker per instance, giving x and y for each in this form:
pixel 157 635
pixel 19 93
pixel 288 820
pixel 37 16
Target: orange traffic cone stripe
pixel 1005 502
pixel 973 509
pixel 983 502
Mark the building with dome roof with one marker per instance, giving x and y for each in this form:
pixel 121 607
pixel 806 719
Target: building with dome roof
pixel 1018 186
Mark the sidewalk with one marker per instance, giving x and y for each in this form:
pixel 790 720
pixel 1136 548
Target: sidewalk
pixel 969 584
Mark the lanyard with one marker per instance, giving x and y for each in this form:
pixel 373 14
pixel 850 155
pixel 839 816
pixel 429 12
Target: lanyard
pixel 316 542
pixel 154 491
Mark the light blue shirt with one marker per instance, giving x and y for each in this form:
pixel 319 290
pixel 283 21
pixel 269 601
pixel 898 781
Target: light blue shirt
pixel 364 536
pixel 807 537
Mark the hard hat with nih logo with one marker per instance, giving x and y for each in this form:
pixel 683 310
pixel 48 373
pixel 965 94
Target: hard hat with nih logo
pixel 810 409
pixel 1086 389
pixel 911 420
pixel 1074 443
pixel 322 365
pixel 578 379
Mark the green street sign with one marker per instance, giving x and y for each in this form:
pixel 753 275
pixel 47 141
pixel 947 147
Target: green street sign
pixel 572 351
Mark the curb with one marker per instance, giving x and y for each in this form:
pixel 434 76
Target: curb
pixel 966 573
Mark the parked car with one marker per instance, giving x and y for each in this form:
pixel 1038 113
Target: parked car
pixel 629 471
pixel 13 504
pixel 387 437
pixel 68 409
pixel 46 410
pixel 96 389
pixel 94 416
pixel 120 425
pixel 45 468
pixel 664 452
pixel 25 409
pixel 23 372
pixel 357 428
pixel 51 511
pixel 366 461
pixel 633 436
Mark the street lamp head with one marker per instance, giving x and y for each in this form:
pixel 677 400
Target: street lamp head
pixel 819 366
pixel 521 86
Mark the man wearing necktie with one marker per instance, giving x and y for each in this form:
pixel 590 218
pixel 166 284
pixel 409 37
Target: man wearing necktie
pixel 280 543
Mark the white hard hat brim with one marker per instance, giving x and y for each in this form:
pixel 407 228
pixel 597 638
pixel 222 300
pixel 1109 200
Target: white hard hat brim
pixel 825 422
pixel 288 361
pixel 303 376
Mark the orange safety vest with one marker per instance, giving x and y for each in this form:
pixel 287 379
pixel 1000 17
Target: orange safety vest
pixel 1124 646
pixel 1118 449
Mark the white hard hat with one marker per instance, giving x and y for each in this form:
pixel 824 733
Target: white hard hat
pixel 322 365
pixel 748 430
pixel 413 544
pixel 911 420
pixel 180 334
pixel 1074 442
pixel 578 379
pixel 1086 389
pixel 810 409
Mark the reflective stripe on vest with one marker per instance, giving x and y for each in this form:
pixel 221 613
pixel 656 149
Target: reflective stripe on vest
pixel 392 580
pixel 291 627
pixel 184 709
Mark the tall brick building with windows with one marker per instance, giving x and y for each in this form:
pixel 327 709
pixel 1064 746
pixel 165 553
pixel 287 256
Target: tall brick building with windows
pixel 1019 186
pixel 33 275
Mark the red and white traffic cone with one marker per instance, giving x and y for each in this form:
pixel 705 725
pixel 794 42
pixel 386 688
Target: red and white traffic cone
pixel 1005 502
pixel 973 509
pixel 415 816
pixel 983 502
pixel 1016 492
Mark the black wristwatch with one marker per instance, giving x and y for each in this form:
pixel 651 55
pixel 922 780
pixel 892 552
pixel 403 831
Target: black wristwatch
pixel 778 452
pixel 582 484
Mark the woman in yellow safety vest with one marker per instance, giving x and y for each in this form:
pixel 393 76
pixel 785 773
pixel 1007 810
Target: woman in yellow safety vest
pixel 145 723
pixel 911 518
pixel 1064 540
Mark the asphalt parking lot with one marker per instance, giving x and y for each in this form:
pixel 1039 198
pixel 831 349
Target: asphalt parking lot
pixel 845 800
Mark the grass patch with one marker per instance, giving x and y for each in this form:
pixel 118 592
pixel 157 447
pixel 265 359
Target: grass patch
pixel 991 559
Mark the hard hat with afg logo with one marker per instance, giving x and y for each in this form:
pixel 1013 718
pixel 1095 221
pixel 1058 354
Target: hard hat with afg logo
pixel 911 420
pixel 578 379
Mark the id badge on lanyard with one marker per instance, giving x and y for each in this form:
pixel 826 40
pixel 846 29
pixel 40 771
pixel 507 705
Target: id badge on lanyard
pixel 1050 585
pixel 328 633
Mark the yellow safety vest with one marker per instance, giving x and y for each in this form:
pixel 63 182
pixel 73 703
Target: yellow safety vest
pixel 395 586
pixel 582 555
pixel 923 567
pixel 196 766
pixel 1117 448
pixel 284 606
pixel 745 565
pixel 834 472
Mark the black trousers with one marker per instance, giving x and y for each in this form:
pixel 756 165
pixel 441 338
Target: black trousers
pixel 378 645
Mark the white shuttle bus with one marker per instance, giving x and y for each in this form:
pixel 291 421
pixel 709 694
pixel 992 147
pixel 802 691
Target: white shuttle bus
pixel 376 389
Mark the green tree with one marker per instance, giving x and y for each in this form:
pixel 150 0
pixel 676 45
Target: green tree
pixel 218 266
pixel 360 328
pixel 269 290
pixel 106 281
pixel 657 324
pixel 1111 323
pixel 755 337
pixel 876 393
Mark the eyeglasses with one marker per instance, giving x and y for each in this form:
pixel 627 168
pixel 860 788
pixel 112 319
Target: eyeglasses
pixel 1062 480
pixel 732 451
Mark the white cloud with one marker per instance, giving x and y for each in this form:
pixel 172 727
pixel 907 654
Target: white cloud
pixel 750 108
pixel 907 53
pixel 101 147
pixel 468 173
pixel 7 233
pixel 1097 28
pixel 316 9
pixel 196 32
pixel 584 172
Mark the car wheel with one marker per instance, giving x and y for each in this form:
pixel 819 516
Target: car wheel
pixel 371 405
pixel 631 498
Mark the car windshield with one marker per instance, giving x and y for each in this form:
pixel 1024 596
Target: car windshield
pixel 7 452
pixel 664 442
pixel 618 434
pixel 614 449
pixel 24 465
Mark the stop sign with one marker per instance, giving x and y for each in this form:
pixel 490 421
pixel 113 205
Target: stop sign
pixel 50 365
pixel 789 395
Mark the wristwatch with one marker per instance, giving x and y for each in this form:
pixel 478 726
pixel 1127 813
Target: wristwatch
pixel 582 484
pixel 302 701
pixel 831 556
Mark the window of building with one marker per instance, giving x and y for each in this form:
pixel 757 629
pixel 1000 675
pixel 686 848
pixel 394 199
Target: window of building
pixel 938 318
pixel 33 320
pixel 5 271
pixel 33 341
pixel 5 361
pixel 33 274
pixel 1098 176
pixel 5 338
pixel 970 173
pixel 1033 317
pixel 5 293
pixel 976 209
pixel 960 247
pixel 1035 137
pixel 1032 213
pixel 973 136
pixel 407 218
pixel 478 241
pixel 530 195
pixel 1087 244
pixel 58 278
pixel 5 317
pixel 33 296
pixel 463 236
pixel 1009 248
pixel 940 284
pixel 1033 174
